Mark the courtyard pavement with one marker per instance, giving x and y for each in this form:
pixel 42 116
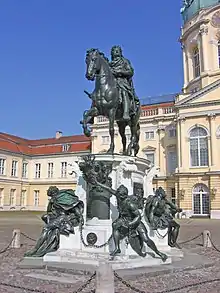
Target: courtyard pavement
pixel 41 280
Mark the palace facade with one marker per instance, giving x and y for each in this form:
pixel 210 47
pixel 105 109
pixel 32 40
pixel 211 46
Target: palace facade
pixel 29 167
pixel 180 134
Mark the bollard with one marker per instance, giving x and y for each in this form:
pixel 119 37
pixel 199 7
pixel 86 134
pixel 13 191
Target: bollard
pixel 206 239
pixel 105 278
pixel 16 242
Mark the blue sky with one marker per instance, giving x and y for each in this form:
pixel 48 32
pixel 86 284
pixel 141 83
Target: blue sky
pixel 42 52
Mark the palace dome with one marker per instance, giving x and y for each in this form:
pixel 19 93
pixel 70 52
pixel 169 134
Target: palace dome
pixel 191 7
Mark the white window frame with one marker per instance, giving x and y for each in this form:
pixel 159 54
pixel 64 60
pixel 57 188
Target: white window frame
pixel 65 147
pixel 151 135
pixel 23 201
pixel 2 166
pixel 105 139
pixel 14 168
pixel 206 191
pixel 150 153
pixel 170 130
pixel 37 170
pixel 198 139
pixel 63 172
pixel 12 197
pixel 50 166
pixel 36 198
pixel 169 151
pixel 24 170
pixel 1 196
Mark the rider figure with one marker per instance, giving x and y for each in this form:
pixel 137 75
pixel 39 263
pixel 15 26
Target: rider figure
pixel 123 72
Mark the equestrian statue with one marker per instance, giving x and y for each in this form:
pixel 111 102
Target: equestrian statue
pixel 114 97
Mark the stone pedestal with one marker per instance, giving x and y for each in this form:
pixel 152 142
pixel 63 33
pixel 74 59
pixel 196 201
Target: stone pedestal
pixel 91 250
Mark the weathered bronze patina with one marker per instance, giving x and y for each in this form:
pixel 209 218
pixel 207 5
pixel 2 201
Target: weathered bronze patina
pixel 114 97
pixel 128 224
pixel 64 212
pixel 160 214
pixel 98 199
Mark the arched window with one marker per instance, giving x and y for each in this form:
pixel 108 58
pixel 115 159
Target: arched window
pixel 201 198
pixel 196 62
pixel 219 54
pixel 198 147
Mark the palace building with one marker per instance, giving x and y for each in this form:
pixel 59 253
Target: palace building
pixel 180 133
pixel 29 167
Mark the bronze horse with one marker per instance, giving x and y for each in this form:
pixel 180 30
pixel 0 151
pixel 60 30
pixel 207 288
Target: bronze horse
pixel 106 102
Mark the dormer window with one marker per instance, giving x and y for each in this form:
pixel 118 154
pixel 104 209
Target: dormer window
pixel 65 147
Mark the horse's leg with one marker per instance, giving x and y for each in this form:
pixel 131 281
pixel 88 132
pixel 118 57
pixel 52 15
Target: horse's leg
pixel 135 134
pixel 87 116
pixel 121 128
pixel 111 130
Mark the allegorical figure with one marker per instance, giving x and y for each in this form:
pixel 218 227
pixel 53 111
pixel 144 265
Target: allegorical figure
pixel 160 213
pixel 98 199
pixel 123 72
pixel 128 224
pixel 64 212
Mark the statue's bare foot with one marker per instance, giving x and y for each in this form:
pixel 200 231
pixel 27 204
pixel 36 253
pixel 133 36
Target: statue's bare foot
pixel 163 256
pixel 115 252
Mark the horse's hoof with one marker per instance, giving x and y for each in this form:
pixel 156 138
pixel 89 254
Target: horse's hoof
pixel 110 152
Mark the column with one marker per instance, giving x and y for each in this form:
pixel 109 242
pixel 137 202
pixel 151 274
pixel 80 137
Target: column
pixel 203 32
pixel 181 136
pixel 160 131
pixel 211 141
pixel 178 144
pixel 185 66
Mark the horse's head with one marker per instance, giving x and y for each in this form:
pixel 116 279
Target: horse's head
pixel 94 59
pixel 92 63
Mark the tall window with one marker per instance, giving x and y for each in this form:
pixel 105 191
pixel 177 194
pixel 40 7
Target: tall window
pixel 24 170
pixel 172 132
pixel 201 200
pixel 12 197
pixel 173 195
pixel 219 54
pixel 50 170
pixel 2 166
pixel 37 170
pixel 151 157
pixel 36 198
pixel 63 169
pixel 1 196
pixel 196 62
pixel 14 168
pixel 198 147
pixel 23 198
pixel 172 161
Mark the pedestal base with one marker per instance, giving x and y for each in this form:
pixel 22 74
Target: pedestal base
pixel 93 259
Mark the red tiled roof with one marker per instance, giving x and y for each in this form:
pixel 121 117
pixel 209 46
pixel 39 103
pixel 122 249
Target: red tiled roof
pixel 164 105
pixel 12 143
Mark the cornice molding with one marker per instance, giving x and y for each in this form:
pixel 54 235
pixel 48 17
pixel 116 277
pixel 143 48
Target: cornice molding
pixel 192 28
pixel 198 94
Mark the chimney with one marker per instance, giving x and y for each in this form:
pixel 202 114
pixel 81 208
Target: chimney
pixel 59 134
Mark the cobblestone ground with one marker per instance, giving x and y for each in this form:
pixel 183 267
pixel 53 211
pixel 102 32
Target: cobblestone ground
pixel 31 225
